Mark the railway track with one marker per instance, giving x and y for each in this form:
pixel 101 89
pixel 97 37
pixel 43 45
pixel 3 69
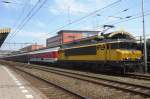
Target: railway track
pixel 68 94
pixel 125 86
pixel 139 76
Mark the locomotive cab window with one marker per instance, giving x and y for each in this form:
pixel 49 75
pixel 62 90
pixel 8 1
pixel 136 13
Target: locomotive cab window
pixel 114 45
pixel 124 45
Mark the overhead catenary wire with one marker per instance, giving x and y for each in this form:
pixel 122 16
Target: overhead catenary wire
pixel 19 17
pixel 32 12
pixel 134 16
pixel 19 24
pixel 85 17
pixel 20 4
pixel 79 18
pixel 12 45
pixel 90 13
pixel 29 17
pixel 25 18
pixel 119 12
pixel 9 2
pixel 21 14
pixel 75 21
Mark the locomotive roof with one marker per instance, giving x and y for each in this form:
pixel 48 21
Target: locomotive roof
pixel 103 37
pixel 61 31
pixel 119 34
pixel 102 42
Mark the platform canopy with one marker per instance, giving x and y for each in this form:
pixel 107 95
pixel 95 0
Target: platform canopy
pixel 3 34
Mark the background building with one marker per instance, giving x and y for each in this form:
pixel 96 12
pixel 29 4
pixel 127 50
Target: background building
pixel 65 36
pixel 31 48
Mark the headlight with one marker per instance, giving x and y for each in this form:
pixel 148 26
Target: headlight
pixel 127 58
pixel 139 58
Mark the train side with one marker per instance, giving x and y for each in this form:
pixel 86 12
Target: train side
pixel 122 56
pixel 49 55
pixel 23 57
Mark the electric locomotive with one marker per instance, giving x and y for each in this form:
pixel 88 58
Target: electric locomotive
pixel 114 55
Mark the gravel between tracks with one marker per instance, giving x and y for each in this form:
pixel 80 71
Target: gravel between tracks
pixel 92 91
pixel 118 78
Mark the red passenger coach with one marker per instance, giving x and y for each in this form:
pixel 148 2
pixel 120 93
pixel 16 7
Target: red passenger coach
pixel 49 55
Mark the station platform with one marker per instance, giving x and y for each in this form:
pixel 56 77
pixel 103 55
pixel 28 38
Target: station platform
pixel 12 86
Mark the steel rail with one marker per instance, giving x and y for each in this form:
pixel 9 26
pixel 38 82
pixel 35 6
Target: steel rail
pixel 138 76
pixel 125 86
pixel 51 83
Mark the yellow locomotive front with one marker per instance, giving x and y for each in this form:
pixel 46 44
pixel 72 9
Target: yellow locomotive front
pixel 125 51
pixel 126 54
pixel 129 55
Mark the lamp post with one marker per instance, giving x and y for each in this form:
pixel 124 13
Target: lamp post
pixel 143 27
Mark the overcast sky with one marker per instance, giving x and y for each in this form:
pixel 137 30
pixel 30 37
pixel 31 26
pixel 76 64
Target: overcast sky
pixel 57 13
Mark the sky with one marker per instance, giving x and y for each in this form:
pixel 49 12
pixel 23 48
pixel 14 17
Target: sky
pixel 56 14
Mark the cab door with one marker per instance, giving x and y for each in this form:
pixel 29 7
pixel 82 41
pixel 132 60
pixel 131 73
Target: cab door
pixel 108 52
pixel 101 52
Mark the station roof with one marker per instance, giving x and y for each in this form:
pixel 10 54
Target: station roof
pixel 3 34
